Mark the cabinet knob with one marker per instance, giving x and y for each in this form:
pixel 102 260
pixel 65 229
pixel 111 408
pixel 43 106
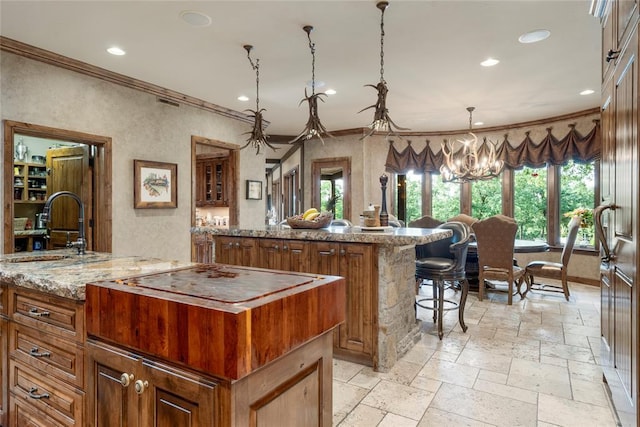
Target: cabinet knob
pixel 276 247
pixel 35 352
pixel 342 252
pixel 141 386
pixel 125 379
pixel 35 313
pixel 612 54
pixel 237 244
pixel 285 248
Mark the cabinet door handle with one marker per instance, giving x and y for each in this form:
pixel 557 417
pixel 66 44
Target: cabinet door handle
pixel 342 252
pixel 276 247
pixel 237 245
pixel 125 379
pixel 33 395
pixel 35 313
pixel 612 54
pixel 285 248
pixel 329 252
pixel 36 353
pixel 141 386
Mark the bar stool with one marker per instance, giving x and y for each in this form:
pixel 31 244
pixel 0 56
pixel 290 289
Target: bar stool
pixel 442 262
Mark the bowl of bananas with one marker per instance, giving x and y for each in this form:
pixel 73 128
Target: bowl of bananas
pixel 311 218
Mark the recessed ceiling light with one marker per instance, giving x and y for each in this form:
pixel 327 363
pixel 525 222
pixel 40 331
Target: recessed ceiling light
pixel 489 62
pixel 478 123
pixel 243 98
pixel 534 36
pixel 114 50
pixel 330 91
pixel 195 18
pixel 587 92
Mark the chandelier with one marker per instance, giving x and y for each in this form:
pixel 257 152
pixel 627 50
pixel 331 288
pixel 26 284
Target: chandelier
pixel 314 127
pixel 381 120
pixel 257 137
pixel 470 162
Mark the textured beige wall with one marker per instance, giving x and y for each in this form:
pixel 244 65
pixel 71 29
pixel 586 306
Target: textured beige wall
pixel 140 128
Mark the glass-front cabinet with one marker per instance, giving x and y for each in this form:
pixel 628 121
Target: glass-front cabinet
pixel 212 182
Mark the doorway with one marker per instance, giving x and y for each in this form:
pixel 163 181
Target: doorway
pixel 224 184
pixel 94 188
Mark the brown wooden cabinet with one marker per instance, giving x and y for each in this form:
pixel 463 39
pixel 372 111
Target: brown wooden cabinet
pixel 128 389
pixel 212 182
pixel 236 251
pixel 46 360
pixel 202 248
pixel 619 184
pixel 356 338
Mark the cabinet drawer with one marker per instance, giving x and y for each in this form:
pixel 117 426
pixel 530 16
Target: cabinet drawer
pixel 46 394
pixel 56 356
pixel 25 415
pixel 58 316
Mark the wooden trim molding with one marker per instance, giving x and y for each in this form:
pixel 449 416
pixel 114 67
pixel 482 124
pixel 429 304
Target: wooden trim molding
pixel 164 95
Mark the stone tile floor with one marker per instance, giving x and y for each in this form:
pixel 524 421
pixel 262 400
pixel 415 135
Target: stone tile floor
pixel 534 363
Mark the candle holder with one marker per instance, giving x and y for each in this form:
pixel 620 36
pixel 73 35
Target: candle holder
pixel 384 216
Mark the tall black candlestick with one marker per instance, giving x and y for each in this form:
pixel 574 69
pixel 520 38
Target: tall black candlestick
pixel 384 216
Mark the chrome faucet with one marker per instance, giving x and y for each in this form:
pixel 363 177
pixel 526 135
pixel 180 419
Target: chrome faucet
pixel 80 243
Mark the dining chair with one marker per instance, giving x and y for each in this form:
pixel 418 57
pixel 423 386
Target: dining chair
pixel 554 270
pixel 464 218
pixel 495 237
pixel 425 221
pixel 442 262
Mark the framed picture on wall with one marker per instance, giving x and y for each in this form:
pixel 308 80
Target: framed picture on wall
pixel 154 185
pixel 254 190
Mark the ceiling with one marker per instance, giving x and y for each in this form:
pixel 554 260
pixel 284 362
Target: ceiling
pixel 433 51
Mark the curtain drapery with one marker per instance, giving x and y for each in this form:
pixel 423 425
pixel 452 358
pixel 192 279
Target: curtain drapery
pixel 549 151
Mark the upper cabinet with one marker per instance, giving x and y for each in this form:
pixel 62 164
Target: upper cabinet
pixel 618 21
pixel 212 182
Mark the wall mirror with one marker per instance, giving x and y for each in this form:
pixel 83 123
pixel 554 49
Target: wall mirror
pixel 331 186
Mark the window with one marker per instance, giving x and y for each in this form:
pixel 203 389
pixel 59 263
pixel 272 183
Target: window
pixel 331 195
pixel 409 196
pixel 530 203
pixel 536 211
pixel 486 198
pixel 577 190
pixel 445 198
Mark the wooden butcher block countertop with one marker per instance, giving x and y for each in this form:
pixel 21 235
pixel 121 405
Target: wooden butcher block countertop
pixel 224 320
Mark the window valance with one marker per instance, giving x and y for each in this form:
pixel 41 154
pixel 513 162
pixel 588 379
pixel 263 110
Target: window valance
pixel 550 150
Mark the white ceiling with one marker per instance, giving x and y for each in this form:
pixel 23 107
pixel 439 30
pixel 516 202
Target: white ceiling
pixel 432 54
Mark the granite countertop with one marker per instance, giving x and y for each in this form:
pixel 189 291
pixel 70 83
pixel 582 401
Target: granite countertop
pixel 64 273
pixel 389 236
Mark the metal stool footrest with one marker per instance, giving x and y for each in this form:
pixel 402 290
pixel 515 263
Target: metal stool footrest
pixel 453 305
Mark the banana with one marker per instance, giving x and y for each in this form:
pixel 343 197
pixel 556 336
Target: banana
pixel 309 212
pixel 312 216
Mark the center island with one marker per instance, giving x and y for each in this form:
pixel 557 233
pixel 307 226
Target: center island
pixel 379 268
pixel 101 340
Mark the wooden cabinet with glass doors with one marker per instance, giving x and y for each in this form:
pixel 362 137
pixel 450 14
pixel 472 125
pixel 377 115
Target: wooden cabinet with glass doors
pixel 212 182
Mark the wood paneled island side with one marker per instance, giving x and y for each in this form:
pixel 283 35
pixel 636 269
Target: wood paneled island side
pixel 379 268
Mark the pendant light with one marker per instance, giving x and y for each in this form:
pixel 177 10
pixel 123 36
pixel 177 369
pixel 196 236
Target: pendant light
pixel 257 137
pixel 381 120
pixel 314 127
